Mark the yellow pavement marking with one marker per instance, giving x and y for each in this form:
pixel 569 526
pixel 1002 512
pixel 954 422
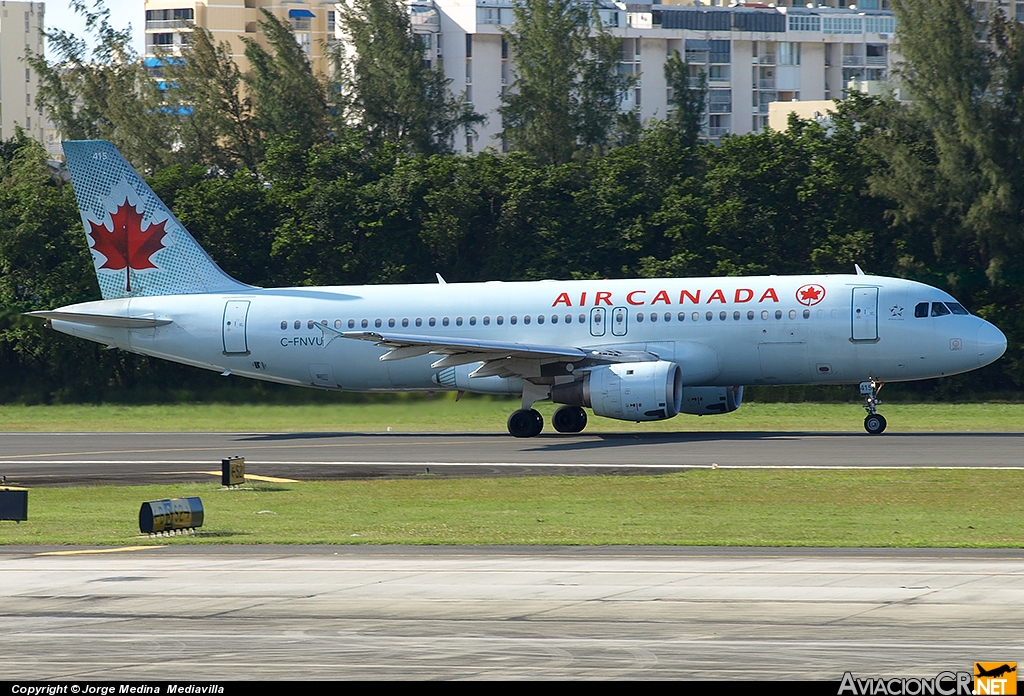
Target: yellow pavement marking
pixel 254 477
pixel 84 551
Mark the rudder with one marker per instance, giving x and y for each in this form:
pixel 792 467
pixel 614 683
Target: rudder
pixel 139 248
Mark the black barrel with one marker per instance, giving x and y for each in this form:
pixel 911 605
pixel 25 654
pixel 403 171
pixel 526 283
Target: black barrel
pixel 170 514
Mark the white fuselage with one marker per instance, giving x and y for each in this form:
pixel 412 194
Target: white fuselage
pixel 720 331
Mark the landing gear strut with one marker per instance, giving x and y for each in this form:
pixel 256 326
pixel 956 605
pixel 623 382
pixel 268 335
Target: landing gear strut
pixel 874 423
pixel 569 419
pixel 525 423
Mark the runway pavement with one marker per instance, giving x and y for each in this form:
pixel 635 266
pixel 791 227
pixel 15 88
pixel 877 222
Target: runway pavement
pixel 36 459
pixel 491 613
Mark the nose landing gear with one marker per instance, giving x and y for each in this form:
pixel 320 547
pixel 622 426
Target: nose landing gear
pixel 874 423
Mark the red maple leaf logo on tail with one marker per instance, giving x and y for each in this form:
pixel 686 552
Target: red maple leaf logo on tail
pixel 127 246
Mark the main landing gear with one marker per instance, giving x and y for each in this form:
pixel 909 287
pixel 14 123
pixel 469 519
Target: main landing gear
pixel 525 423
pixel 569 419
pixel 874 423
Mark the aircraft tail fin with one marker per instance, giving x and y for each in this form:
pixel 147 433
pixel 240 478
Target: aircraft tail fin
pixel 138 247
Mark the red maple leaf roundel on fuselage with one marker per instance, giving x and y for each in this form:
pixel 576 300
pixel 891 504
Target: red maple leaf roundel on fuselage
pixel 127 246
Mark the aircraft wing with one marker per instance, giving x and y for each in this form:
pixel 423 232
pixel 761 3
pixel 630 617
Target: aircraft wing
pixel 462 351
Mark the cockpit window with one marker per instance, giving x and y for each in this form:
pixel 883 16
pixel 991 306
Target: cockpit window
pixel 939 309
pixel 921 310
pixel 957 308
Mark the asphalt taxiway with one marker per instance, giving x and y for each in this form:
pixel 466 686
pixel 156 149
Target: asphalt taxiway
pixel 505 613
pixel 36 459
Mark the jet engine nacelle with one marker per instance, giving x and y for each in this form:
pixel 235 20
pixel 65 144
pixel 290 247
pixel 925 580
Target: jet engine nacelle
pixel 628 391
pixel 705 401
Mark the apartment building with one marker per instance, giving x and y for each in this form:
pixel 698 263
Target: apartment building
pixel 170 23
pixel 20 30
pixel 752 55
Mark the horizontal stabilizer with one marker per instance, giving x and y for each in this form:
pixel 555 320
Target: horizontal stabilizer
pixel 101 319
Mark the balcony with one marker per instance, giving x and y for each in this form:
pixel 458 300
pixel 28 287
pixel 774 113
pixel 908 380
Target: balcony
pixel 767 59
pixel 152 24
pixel 717 131
pixel 722 108
pixel 876 61
pixel 766 84
pixel 853 61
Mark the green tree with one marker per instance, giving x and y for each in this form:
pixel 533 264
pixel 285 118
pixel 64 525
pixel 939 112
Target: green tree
pixel 106 95
pixel 288 96
pixel 385 86
pixel 686 118
pixel 217 123
pixel 566 92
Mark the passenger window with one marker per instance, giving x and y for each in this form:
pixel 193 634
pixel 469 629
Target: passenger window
pixel 472 321
pixel 696 316
pixel 668 316
pixel 377 323
pixel 939 309
pixel 554 318
pixel 526 319
pixel 351 323
pixel 681 316
pixel 764 314
pixel 792 314
pixel 583 318
pixel 337 323
pixel 284 325
pixel 444 322
pixel 297 324
pixel 736 316
pixel 709 316
pixel 501 320
pixel 405 322
pixel 419 322
pixel 654 316
pixel 750 316
pixel 921 310
pixel 807 314
pixel 487 321
pixel 957 308
pixel 640 316
pixel 432 321
pixel 540 319
pixel 309 324
pixel 568 318
pixel 778 313
pixel 723 315
pixel 511 320
pixel 458 321
pixel 364 323
pixel 391 323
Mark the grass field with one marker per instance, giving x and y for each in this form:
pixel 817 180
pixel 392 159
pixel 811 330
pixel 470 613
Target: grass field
pixel 442 413
pixel 877 508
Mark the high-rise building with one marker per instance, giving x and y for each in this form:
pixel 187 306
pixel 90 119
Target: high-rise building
pixel 170 23
pixel 20 31
pixel 752 55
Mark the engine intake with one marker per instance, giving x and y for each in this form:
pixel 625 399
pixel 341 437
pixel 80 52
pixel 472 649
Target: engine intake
pixel 641 391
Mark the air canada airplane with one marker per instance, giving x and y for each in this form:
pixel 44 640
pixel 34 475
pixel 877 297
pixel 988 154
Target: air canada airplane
pixel 636 350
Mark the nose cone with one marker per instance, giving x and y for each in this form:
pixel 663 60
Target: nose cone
pixel 991 344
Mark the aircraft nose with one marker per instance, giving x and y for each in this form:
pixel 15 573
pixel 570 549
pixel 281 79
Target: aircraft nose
pixel 991 343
